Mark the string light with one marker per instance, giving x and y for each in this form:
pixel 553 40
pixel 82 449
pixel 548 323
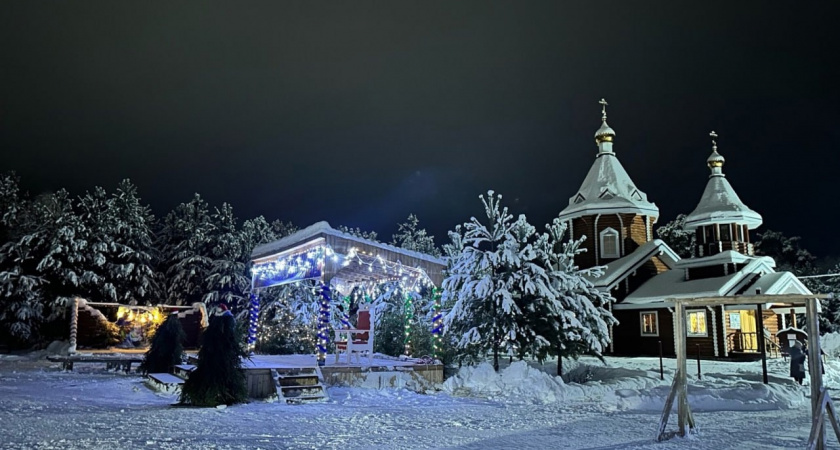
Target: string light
pixel 437 323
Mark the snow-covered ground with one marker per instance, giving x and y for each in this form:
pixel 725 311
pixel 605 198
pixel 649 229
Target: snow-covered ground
pixel 617 408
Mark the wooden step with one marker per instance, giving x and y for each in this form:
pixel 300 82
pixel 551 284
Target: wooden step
pixel 299 385
pixel 166 378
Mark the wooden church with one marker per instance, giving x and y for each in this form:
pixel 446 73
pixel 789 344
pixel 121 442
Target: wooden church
pixel 643 273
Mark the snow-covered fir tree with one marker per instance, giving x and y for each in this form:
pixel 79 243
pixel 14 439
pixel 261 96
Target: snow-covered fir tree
pixel 674 234
pixel 186 260
pixel 131 267
pixel 43 265
pixel 227 279
pixel 485 313
pixel 410 237
pixel 574 319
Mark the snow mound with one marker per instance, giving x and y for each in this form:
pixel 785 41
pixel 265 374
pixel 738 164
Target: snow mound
pixel 617 388
pixel 518 381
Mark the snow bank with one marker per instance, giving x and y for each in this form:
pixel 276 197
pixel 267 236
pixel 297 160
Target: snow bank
pixel 617 388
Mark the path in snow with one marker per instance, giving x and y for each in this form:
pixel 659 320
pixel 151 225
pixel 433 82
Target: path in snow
pixel 42 407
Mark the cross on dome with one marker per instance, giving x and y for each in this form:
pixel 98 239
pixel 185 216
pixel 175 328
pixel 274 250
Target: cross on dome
pixel 603 104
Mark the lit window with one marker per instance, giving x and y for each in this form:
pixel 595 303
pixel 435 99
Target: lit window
pixel 696 321
pixel 650 323
pixel 609 243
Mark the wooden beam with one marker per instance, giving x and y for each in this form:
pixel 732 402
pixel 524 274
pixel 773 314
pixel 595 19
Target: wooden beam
pixel 815 368
pixel 794 299
pixel 761 347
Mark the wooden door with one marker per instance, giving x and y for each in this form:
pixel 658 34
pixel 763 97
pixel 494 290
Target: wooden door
pixel 749 336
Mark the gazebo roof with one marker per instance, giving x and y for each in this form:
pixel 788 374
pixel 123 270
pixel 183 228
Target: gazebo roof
pixel 322 252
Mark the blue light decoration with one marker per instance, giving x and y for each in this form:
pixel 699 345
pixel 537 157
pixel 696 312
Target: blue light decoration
pixel 299 267
pixel 324 325
pixel 437 323
pixel 345 316
pixel 253 323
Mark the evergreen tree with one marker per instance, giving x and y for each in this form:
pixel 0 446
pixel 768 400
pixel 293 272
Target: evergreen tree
pixel 227 280
pixel 786 251
pixel 410 237
pixel 43 265
pixel 184 245
pixel 131 266
pixel 674 234
pixel 484 313
pixel 167 349
pixel 574 319
pixel 218 378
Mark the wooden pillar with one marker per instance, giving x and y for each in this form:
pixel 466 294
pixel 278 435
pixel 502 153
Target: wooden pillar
pixel 815 367
pixel 682 379
pixel 793 318
pixel 761 347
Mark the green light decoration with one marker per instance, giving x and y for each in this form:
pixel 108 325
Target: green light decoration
pixel 408 312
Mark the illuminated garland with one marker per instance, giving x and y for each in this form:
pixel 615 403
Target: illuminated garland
pixel 437 323
pixel 345 314
pixel 409 319
pixel 324 325
pixel 253 323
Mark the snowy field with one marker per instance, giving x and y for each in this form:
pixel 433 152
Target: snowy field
pixel 618 407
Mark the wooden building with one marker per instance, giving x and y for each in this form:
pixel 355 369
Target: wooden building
pixel 643 273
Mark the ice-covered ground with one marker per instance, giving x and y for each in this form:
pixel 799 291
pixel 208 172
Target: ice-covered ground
pixel 523 407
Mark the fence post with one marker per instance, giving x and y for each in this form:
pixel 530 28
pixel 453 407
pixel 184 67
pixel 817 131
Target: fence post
pixel 699 377
pixel 661 366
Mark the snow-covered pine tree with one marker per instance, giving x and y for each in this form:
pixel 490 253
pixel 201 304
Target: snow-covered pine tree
pixel 131 266
pixel 167 347
pixel 227 280
pixel 42 266
pixel 185 257
pixel 485 312
pixel 10 205
pixel 410 237
pixel 574 320
pixel 674 234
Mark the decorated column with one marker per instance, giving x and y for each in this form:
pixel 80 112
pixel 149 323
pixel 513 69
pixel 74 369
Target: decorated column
pixel 324 325
pixel 253 323
pixel 437 323
pixel 74 325
pixel 409 319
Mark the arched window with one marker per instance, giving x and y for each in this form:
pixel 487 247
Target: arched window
pixel 609 243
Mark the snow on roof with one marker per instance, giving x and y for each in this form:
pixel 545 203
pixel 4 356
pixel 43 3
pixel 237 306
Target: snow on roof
pixel 620 268
pixel 324 228
pixel 672 284
pixel 720 204
pixel 728 256
pixel 608 188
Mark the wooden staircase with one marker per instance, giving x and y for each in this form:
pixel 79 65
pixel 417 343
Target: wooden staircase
pixel 299 385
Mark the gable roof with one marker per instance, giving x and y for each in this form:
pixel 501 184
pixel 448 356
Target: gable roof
pixel 621 268
pixel 608 188
pixel 758 273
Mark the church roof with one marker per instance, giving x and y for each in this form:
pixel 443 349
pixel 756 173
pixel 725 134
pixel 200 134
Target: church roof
pixel 608 188
pixel 720 203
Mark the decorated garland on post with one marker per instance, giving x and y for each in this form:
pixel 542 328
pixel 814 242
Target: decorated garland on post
pixel 324 325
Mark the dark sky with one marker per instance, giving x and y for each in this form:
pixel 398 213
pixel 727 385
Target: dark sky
pixel 360 113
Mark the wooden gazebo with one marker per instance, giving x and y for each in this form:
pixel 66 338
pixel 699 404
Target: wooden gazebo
pixel 338 261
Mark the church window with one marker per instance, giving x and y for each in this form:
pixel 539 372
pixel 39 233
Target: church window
pixel 696 321
pixel 609 243
pixel 650 323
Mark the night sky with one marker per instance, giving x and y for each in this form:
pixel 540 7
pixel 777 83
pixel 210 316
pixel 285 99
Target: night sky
pixel 360 113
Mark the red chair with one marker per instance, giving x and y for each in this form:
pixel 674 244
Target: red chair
pixel 357 340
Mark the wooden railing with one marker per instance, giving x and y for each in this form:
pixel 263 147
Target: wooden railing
pixel 748 342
